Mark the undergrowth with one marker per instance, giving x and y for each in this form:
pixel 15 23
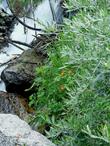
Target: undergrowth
pixel 72 98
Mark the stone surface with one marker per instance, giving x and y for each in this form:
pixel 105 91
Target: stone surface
pixel 20 74
pixel 59 12
pixel 15 132
pixel 15 104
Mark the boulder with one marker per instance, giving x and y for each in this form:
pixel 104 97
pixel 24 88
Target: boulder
pixel 14 104
pixel 20 74
pixel 15 132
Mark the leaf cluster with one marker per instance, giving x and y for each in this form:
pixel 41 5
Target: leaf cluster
pixel 72 98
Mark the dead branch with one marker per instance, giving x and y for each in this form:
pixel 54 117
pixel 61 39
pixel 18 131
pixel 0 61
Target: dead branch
pixel 16 46
pixel 18 42
pixel 24 24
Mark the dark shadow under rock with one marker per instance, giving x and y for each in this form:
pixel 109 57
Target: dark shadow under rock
pixel 19 75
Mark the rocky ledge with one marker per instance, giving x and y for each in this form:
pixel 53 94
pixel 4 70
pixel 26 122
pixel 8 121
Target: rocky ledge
pixel 15 104
pixel 15 132
pixel 19 75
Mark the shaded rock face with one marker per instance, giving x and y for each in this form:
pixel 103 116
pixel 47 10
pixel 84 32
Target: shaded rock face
pixel 6 26
pixel 59 12
pixel 14 104
pixel 20 74
pixel 15 132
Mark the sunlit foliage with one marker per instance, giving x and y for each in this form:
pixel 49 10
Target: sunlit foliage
pixel 72 98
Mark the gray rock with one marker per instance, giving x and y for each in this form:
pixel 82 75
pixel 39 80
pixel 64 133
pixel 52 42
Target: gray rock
pixel 14 104
pixel 59 12
pixel 15 132
pixel 20 74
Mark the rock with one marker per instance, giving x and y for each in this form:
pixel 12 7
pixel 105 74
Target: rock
pixel 59 12
pixel 14 104
pixel 15 132
pixel 20 74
